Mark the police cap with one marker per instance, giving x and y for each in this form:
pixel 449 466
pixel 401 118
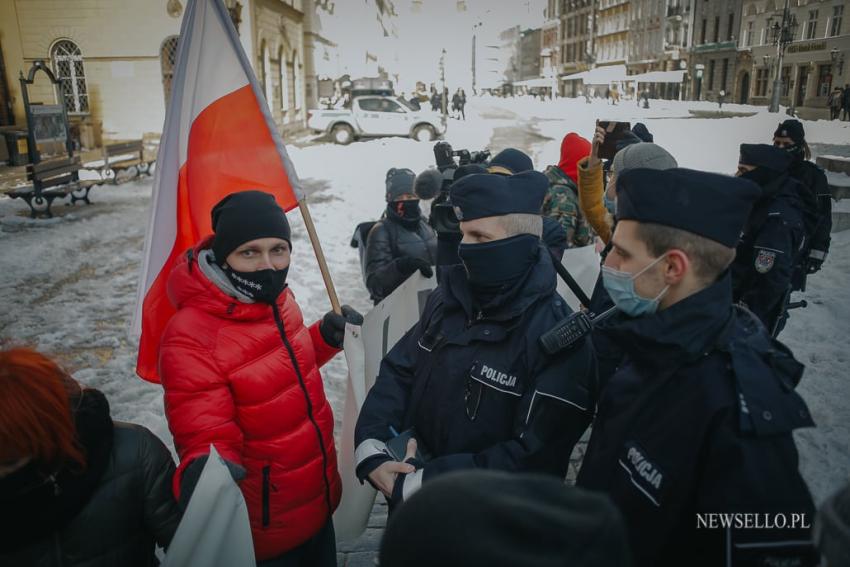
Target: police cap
pixel 509 161
pixel 490 195
pixel 766 156
pixel 706 204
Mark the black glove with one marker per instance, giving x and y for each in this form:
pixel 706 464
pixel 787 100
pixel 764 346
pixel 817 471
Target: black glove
pixel 408 264
pixel 192 474
pixel 815 261
pixel 332 327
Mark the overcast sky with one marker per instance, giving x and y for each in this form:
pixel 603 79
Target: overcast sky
pixel 426 27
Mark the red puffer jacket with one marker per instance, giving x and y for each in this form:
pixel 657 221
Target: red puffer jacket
pixel 245 377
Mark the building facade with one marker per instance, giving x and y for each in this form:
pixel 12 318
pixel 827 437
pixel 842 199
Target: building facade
pixel 115 59
pixel 714 54
pixel 814 63
pixel 611 40
pixel 529 54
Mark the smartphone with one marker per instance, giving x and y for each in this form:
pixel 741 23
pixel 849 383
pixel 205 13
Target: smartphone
pixel 614 132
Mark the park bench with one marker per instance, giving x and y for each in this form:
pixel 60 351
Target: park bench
pixel 50 180
pixel 124 156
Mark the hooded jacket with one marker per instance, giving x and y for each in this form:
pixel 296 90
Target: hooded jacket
pixel 245 377
pixel 112 512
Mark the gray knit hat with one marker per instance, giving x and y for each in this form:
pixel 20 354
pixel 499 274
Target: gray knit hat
pixel 644 155
pixel 399 182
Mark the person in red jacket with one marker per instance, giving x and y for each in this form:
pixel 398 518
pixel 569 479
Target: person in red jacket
pixel 241 372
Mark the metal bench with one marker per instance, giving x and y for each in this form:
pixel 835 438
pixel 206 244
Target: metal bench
pixel 50 180
pixel 124 156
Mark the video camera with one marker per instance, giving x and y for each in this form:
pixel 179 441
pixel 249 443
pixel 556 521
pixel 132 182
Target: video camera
pixel 443 217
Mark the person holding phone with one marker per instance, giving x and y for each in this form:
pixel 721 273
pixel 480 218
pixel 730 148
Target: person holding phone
pixel 626 151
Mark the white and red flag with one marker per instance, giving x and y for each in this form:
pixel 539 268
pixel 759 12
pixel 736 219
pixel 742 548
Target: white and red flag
pixel 219 138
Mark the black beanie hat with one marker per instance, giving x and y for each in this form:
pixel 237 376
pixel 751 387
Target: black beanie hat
pixel 501 519
pixel 791 129
pixel 245 216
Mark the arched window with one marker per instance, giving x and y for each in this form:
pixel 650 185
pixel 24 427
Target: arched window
pixel 284 82
pixel 267 75
pixel 68 67
pixel 167 61
pixel 299 85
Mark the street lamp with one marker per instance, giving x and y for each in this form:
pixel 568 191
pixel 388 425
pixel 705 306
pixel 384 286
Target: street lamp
pixel 782 33
pixel 837 59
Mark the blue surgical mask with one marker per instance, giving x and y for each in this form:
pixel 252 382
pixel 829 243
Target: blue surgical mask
pixel 610 204
pixel 621 287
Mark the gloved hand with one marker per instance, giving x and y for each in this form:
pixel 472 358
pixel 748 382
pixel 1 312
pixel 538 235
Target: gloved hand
pixel 192 473
pixel 332 327
pixel 408 264
pixel 815 262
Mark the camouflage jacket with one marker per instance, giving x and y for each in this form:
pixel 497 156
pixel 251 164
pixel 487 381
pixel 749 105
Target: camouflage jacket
pixel 561 203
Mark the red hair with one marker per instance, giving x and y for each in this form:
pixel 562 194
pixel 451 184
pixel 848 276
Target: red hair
pixel 36 421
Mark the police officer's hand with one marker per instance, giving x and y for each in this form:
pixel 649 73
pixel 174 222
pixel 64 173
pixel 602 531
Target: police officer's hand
pixel 332 327
pixel 408 264
pixel 813 265
pixel 384 476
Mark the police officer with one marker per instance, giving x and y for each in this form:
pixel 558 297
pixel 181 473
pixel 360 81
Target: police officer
pixel 470 378
pixel 698 418
pixel 401 242
pixel 510 161
pixel 773 236
pixel 815 198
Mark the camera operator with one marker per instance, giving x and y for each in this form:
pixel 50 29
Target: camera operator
pixel 434 184
pixel 401 242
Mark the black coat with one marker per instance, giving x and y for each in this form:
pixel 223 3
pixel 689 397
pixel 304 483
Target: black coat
pixel 389 240
pixel 770 247
pixel 113 513
pixel 478 389
pixel 816 203
pixel 698 419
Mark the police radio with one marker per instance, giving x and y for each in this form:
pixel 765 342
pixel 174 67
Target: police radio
pixel 570 330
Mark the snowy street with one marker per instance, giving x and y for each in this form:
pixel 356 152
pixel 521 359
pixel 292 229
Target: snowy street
pixel 69 283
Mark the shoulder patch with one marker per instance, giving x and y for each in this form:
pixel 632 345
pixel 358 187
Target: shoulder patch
pixel 764 261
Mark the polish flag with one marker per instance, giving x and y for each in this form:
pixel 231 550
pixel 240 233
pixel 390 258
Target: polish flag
pixel 218 138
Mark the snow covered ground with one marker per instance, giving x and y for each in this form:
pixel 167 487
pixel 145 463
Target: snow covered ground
pixel 67 285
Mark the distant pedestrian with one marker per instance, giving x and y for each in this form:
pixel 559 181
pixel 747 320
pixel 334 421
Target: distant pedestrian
pixel 845 98
pixel 721 98
pixel 835 103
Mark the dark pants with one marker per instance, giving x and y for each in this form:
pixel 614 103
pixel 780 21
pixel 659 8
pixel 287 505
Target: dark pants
pixel 318 551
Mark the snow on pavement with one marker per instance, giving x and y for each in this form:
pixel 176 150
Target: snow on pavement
pixel 69 283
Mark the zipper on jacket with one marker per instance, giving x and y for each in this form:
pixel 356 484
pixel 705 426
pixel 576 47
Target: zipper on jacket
pixel 266 488
pixel 279 321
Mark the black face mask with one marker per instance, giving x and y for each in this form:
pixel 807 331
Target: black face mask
pixel 796 151
pixel 406 210
pixel 494 267
pixel 263 285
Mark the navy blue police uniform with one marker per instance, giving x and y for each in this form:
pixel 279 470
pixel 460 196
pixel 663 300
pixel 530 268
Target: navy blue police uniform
pixel 470 378
pixel 697 419
pixel 816 203
pixel 773 239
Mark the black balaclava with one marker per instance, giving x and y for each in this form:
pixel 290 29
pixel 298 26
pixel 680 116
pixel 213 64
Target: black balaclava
pixel 494 268
pixel 240 218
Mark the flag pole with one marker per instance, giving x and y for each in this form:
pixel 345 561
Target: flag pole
pixel 320 256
